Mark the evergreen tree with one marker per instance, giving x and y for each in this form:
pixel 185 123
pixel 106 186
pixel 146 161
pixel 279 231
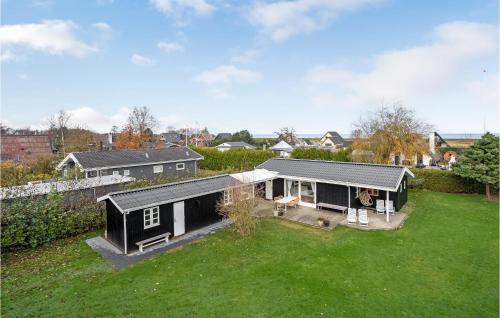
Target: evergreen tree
pixel 480 162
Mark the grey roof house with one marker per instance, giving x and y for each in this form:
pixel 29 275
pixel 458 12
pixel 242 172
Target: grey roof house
pixel 171 136
pixel 154 214
pixel 223 136
pixel 228 145
pixel 140 164
pixel 332 139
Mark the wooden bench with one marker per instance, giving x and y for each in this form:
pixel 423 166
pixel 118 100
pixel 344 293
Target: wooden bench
pixel 153 240
pixel 320 205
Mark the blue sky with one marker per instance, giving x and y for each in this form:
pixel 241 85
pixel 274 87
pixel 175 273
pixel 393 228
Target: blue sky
pixel 313 65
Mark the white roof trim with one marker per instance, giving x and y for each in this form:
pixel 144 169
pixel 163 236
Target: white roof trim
pixel 65 160
pixel 255 176
pixel 141 164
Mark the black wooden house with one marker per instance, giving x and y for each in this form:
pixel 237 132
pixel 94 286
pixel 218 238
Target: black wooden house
pixel 176 208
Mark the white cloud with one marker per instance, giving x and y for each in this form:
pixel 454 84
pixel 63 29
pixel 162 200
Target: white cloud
pixel 56 37
pixel 246 56
pixel 200 7
pixel 283 19
pixel 7 56
pixel 170 47
pixel 400 74
pixel 101 26
pixel 220 79
pixel 486 91
pixel 138 59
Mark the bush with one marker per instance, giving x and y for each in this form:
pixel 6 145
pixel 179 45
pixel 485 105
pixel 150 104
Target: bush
pixel 443 181
pixel 321 154
pixel 237 160
pixel 34 221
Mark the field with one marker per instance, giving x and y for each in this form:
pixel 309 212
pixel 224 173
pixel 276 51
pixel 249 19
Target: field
pixel 442 263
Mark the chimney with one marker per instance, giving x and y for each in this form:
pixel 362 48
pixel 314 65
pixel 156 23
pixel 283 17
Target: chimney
pixel 432 142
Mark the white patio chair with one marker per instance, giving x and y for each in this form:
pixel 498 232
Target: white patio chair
pixel 351 216
pixel 380 207
pixel 390 207
pixel 363 217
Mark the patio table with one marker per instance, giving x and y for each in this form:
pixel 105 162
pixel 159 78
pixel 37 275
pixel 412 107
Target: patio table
pixel 285 200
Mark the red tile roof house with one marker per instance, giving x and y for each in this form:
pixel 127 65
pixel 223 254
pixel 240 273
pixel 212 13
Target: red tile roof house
pixel 24 148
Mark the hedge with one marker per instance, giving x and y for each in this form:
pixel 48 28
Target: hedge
pixel 34 221
pixel 321 154
pixel 240 159
pixel 443 181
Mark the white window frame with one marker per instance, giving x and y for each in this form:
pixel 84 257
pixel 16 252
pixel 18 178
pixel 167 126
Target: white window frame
pixel 400 187
pixel 151 215
pixel 126 172
pixel 116 173
pixel 158 169
pixel 228 197
pixel 180 166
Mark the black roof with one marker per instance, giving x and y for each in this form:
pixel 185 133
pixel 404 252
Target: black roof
pixel 142 198
pixel 336 137
pixel 172 136
pixel 102 159
pixel 222 136
pixel 372 175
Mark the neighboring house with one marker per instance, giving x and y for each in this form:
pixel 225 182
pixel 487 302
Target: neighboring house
pixel 153 213
pixel 105 141
pixel 202 139
pixel 172 137
pixel 96 186
pixel 223 136
pixel 140 164
pixel 25 148
pixel 333 140
pixel 283 149
pixel 228 145
pixel 430 158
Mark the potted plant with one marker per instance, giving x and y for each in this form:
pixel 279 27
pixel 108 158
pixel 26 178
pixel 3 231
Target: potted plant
pixel 323 222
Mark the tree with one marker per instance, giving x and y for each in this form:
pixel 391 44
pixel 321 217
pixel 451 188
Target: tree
pixel 480 162
pixel 141 118
pixel 238 205
pixel 243 135
pixel 287 134
pixel 59 123
pixel 389 131
pixel 80 139
pixel 128 139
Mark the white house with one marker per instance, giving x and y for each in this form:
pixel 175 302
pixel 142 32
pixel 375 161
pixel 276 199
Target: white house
pixel 283 149
pixel 234 145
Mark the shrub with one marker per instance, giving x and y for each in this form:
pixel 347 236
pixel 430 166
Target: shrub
pixel 34 221
pixel 237 160
pixel 442 181
pixel 321 154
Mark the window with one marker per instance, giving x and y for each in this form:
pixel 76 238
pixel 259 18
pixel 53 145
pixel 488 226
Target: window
pixel 65 173
pixel 228 197
pixel 158 169
pixel 180 166
pixel 126 172
pixel 373 192
pixel 400 187
pixel 404 184
pixel 151 217
pixel 116 173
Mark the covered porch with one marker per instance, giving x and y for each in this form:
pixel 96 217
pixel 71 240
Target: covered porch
pixel 309 216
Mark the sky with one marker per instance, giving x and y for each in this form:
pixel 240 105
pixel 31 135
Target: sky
pixel 314 65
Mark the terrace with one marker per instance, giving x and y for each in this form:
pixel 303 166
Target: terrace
pixel 309 216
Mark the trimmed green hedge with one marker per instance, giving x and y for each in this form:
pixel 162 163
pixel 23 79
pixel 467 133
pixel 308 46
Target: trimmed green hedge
pixel 240 159
pixel 34 221
pixel 443 181
pixel 321 154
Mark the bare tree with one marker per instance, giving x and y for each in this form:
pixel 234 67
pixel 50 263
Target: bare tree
pixel 387 131
pixel 140 119
pixel 59 123
pixel 238 205
pixel 287 134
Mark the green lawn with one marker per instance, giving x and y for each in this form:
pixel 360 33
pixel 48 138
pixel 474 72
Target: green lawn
pixel 443 262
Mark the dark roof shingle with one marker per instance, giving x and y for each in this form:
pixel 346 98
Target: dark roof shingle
pixel 151 196
pixel 378 176
pixel 100 159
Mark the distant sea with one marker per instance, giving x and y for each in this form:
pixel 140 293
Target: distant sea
pixel 444 135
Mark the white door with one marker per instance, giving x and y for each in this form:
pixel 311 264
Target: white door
pixel 269 190
pixel 179 227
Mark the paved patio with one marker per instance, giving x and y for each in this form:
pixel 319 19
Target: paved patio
pixel 112 254
pixel 309 216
